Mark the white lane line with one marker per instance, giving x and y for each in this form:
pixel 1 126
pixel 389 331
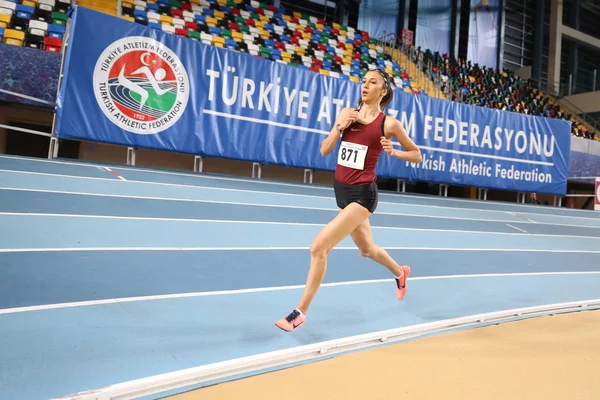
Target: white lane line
pixel 279 206
pixel 276 248
pixel 454 209
pixel 261 182
pixel 523 230
pixel 271 289
pixel 115 174
pixel 246 222
pixel 189 175
pixel 303 186
pixel 532 221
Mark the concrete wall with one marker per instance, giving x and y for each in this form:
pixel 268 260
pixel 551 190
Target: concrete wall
pixel 587 102
pixel 159 159
pixel 585 145
pixel 14 115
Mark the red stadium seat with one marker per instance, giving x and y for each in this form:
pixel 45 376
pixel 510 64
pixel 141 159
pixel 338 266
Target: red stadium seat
pixel 52 45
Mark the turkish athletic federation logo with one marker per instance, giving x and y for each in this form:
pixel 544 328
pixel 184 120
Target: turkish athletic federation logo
pixel 141 85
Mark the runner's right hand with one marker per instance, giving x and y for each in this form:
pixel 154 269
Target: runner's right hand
pixel 348 119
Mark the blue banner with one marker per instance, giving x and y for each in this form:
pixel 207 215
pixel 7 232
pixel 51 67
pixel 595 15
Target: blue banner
pixel 483 33
pixel 434 19
pixel 131 85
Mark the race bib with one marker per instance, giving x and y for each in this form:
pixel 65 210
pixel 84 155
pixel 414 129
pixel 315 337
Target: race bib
pixel 352 155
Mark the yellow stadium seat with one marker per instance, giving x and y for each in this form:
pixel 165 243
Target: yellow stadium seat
pixel 324 72
pixel 306 35
pixel 336 25
pixel 14 37
pixel 4 20
pixel 354 79
pixel 237 36
pixel 211 21
pixel 128 18
pixel 286 18
pixel 297 14
pixel 219 14
pixel 166 19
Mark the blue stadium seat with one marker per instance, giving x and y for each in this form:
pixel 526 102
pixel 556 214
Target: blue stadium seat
pixel 56 31
pixel 24 12
pixel 140 16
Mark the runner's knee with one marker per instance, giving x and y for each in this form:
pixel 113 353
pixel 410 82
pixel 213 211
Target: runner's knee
pixel 319 248
pixel 368 251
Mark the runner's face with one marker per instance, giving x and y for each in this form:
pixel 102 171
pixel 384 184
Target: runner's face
pixel 372 88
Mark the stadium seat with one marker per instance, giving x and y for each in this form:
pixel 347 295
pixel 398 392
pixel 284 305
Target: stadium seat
pixel 56 31
pixel 7 7
pixel 36 33
pixel 4 20
pixel 52 44
pixel 14 37
pixel 44 10
pixel 260 29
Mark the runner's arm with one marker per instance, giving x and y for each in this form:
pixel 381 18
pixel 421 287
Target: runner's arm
pixel 412 153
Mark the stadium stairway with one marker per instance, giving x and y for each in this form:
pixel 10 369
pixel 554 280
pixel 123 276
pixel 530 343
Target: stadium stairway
pixel 105 6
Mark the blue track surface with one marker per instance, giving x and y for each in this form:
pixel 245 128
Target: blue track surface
pixel 73 232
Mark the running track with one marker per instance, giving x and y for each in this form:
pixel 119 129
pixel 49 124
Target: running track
pixel 214 261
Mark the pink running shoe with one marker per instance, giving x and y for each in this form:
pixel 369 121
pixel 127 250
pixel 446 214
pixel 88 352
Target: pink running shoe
pixel 292 321
pixel 401 283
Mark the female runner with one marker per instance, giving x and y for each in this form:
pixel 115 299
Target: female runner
pixel 365 132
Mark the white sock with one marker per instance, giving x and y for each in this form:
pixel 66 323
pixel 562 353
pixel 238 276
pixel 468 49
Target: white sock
pixel 301 313
pixel 398 277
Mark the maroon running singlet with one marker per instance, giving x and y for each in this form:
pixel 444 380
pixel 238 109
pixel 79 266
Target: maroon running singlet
pixel 359 152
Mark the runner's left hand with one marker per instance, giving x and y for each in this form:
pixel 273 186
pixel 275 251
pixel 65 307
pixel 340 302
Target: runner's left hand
pixel 387 146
